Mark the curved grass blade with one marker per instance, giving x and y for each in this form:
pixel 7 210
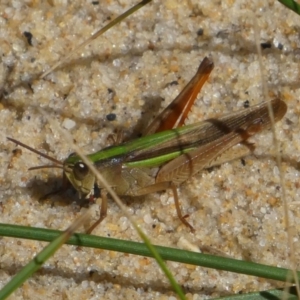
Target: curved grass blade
pixel 98 33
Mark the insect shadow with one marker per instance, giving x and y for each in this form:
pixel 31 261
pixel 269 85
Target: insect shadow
pixel 38 189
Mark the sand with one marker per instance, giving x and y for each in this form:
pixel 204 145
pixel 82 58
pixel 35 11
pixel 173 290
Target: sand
pixel 112 84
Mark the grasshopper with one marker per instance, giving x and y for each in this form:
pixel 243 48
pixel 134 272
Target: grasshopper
pixel 169 153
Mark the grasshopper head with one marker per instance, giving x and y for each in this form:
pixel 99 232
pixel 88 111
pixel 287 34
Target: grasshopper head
pixel 80 176
pixel 75 170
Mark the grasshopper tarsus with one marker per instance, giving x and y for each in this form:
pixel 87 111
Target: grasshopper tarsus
pixel 185 216
pixel 186 223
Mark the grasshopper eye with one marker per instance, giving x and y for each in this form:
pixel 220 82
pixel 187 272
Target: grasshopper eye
pixel 80 170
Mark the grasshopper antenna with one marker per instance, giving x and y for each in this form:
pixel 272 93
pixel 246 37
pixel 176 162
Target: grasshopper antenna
pixel 58 164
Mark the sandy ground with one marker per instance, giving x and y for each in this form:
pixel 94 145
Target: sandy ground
pixel 141 64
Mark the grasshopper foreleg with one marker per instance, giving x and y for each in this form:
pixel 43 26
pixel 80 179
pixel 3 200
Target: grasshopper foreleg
pixel 103 211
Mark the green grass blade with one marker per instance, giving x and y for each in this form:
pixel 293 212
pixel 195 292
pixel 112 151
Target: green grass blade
pixel 58 239
pixel 292 5
pixel 275 294
pixel 183 256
